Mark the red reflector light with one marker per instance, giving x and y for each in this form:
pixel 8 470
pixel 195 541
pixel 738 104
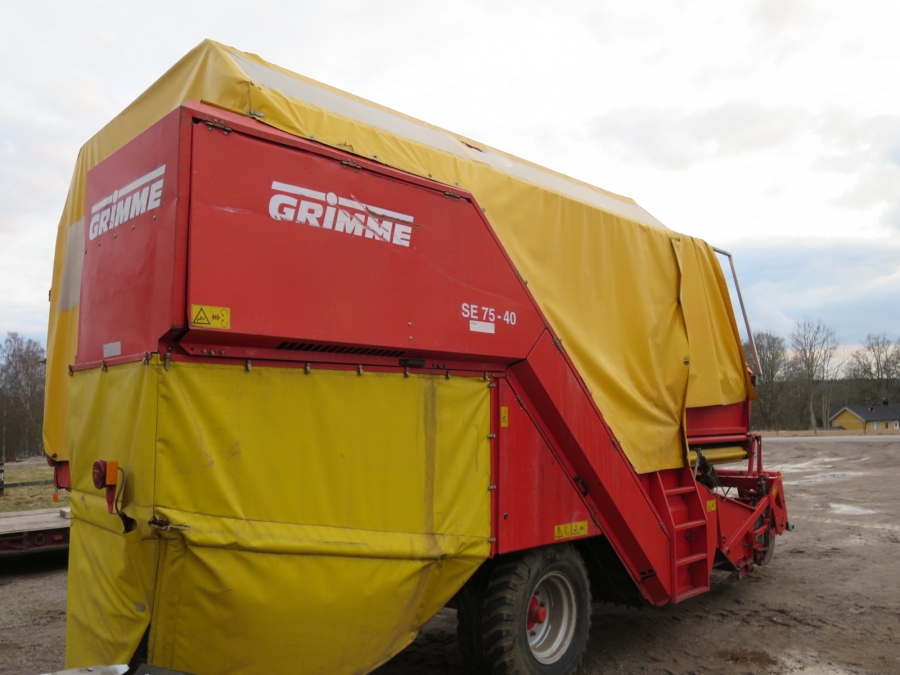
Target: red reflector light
pixel 98 473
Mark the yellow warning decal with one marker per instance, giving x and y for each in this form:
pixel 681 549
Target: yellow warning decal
pixel 209 316
pixel 711 505
pixel 504 416
pixel 570 530
pixel 774 490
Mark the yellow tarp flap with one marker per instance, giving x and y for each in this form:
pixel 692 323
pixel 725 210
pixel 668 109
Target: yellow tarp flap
pixel 305 508
pixel 602 269
pixel 111 577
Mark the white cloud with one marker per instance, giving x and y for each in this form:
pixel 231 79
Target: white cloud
pixel 852 285
pixel 674 139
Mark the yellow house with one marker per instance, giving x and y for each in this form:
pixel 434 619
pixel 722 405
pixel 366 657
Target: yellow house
pixel 868 417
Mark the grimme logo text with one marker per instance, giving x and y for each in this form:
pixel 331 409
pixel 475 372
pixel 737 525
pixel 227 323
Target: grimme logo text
pixel 136 198
pixel 341 214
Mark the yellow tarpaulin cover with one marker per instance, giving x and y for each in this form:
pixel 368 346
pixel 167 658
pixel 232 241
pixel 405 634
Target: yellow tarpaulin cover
pixel 323 517
pixel 643 312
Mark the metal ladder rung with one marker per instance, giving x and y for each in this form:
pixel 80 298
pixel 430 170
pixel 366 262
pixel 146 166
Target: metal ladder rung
pixel 697 557
pixel 690 525
pixel 671 492
pixel 696 590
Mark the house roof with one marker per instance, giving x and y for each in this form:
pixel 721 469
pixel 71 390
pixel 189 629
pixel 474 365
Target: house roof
pixel 873 413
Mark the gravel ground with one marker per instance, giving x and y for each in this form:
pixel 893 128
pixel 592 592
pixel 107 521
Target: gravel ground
pixel 829 604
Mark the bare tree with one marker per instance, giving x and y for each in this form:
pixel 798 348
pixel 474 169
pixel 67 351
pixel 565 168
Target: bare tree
pixel 22 369
pixel 877 366
pixel 813 346
pixel 770 381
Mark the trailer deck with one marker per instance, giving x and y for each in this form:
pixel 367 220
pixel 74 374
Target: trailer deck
pixel 26 531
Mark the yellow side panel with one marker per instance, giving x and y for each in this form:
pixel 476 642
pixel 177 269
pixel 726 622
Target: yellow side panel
pixel 111 575
pixel 380 452
pixel 304 508
pixel 110 593
pixel 314 508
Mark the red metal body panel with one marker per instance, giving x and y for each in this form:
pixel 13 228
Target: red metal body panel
pixel 412 285
pixel 133 272
pixel 726 422
pixel 323 259
pixel 623 508
pixel 535 493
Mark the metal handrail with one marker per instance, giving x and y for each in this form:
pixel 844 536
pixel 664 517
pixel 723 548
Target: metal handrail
pixel 737 287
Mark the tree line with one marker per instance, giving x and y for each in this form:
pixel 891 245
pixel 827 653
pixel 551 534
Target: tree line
pixel 803 380
pixel 22 369
pixel 807 377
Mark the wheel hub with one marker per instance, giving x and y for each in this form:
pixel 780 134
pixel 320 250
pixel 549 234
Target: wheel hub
pixel 550 621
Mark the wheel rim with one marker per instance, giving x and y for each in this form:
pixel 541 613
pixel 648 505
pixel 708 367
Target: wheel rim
pixel 553 601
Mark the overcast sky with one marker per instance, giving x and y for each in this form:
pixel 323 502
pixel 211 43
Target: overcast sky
pixel 767 127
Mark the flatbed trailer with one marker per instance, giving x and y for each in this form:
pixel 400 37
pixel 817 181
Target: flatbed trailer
pixel 36 530
pixel 320 370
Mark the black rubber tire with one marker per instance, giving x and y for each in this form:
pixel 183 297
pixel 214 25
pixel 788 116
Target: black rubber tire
pixel 769 540
pixel 493 610
pixel 469 617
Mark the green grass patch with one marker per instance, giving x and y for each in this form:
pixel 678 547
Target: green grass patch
pixel 33 496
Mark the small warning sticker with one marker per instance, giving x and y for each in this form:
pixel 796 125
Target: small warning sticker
pixel 569 530
pixel 504 416
pixel 210 316
pixel 711 505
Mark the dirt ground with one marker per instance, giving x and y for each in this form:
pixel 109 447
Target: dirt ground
pixel 829 604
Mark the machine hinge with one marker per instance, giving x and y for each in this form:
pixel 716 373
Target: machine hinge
pixel 492 435
pixel 492 539
pixel 168 360
pixel 71 371
pixel 216 124
pixel 492 487
pixel 558 343
pixel 452 195
pixel 351 165
pixel 256 113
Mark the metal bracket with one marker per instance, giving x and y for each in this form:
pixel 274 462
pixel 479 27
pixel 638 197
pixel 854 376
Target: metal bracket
pixel 216 124
pixel 581 484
